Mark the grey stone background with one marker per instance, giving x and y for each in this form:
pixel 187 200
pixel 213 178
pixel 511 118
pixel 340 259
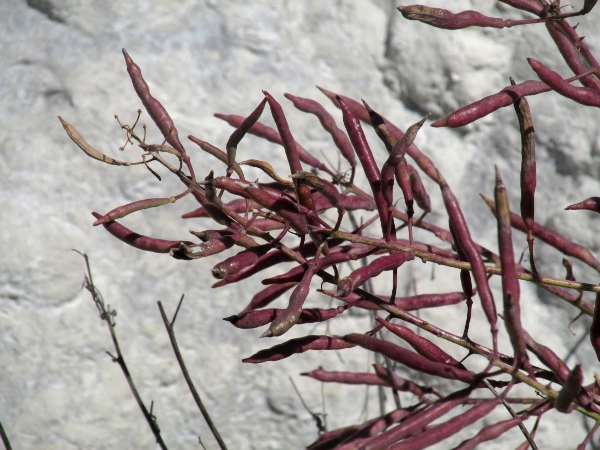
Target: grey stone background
pixel 58 388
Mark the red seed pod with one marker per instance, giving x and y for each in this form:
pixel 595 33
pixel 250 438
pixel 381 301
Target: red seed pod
pixel 584 95
pixel 588 5
pixel 491 103
pixel 551 237
pixel 548 358
pixel 418 190
pixel 373 269
pixel 421 345
pixel 239 133
pixel 595 329
pixel 217 153
pixel 591 204
pixel 290 316
pixel 197 251
pixel 268 295
pixel 418 421
pixel 325 188
pixel 533 6
pixel 242 259
pixel 570 390
pixel 490 432
pixel 139 241
pixel 424 163
pixel 411 359
pixel 339 137
pixel 325 376
pixel 442 18
pixel 258 318
pixel 438 433
pixel 510 282
pixel 129 208
pixel 465 241
pixel 155 109
pixel 271 135
pixel 299 345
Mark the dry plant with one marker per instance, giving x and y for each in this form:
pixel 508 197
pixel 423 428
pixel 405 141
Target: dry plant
pixel 280 219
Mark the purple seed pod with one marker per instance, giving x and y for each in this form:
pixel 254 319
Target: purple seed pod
pixel 271 135
pixel 591 204
pixel 490 432
pixel 570 390
pixel 491 103
pixel 465 241
pixel 290 316
pixel 418 421
pixel 266 296
pixel 208 248
pixel 328 123
pixel 533 6
pixel 418 190
pixel 510 283
pixel 421 345
pixel 424 163
pixel 400 384
pixel 442 18
pixel 217 153
pixel 584 95
pixel 325 376
pixel 588 5
pixel 325 188
pixel 551 237
pixel 528 171
pixel 155 109
pixel 139 241
pixel 240 260
pixel 595 328
pixel 299 345
pixel 411 359
pixel 258 318
pixel 438 433
pixel 365 156
pixel 129 208
pixel 373 269
pixel 239 133
pixel 548 358
pixel 571 54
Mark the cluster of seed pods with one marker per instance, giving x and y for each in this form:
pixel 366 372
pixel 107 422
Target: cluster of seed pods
pixel 248 212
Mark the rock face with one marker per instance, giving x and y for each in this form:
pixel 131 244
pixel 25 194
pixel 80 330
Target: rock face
pixel 58 388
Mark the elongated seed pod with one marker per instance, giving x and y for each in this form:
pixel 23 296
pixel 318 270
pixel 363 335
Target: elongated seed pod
pixel 326 188
pixel 240 260
pixel 139 241
pixel 528 171
pixel 299 345
pixel 533 6
pixel 155 109
pixel 491 103
pixel 217 153
pixel 571 54
pixel 87 148
pixel 373 269
pixel 290 316
pixel 459 225
pixel 438 433
pixel 510 282
pixel 418 421
pixel 328 123
pixel 551 237
pixel 367 161
pixel 584 95
pixel 410 359
pixel 325 376
pixel 239 133
pixel 423 161
pixel 548 358
pixel 415 302
pixel 591 204
pixel 418 190
pixel 208 248
pixel 421 345
pixel 570 390
pixel 488 433
pixel 122 211
pixel 266 296
pixel 399 383
pixel 271 135
pixel 595 328
pixel 442 18
pixel 258 318
pixel 588 5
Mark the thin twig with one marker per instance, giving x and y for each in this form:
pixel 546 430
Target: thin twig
pixel 107 315
pixel 4 437
pixel 318 418
pixel 170 331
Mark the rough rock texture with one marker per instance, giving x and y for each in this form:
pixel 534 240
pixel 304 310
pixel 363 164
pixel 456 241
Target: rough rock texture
pixel 58 388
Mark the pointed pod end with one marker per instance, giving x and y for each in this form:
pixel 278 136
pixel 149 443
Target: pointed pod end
pixel 440 123
pixel 267 333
